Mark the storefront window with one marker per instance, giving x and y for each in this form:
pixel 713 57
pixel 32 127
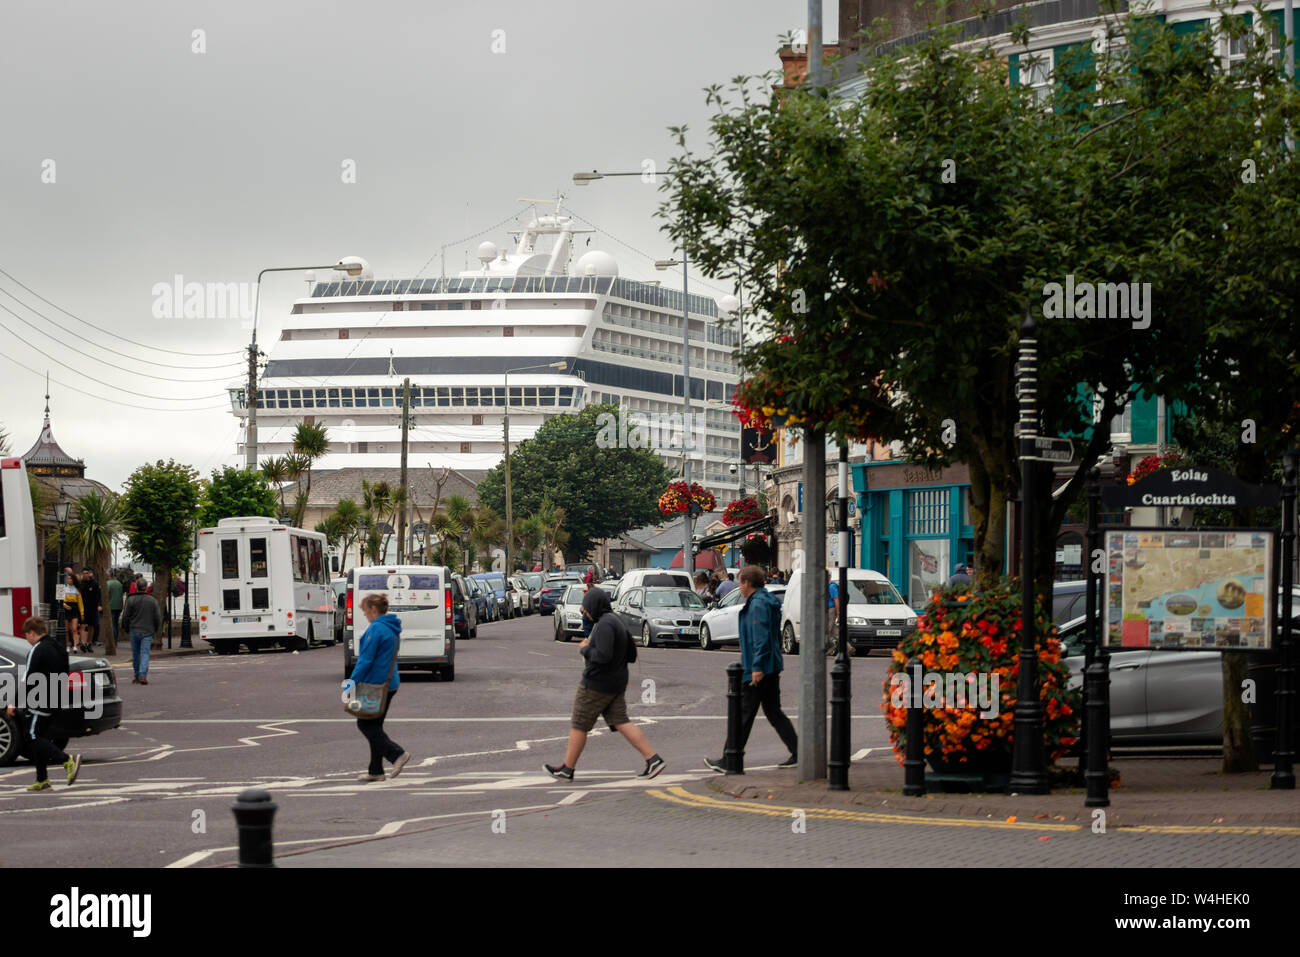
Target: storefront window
pixel 929 567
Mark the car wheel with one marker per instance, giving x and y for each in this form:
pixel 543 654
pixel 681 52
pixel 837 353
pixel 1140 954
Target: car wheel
pixel 9 740
pixel 226 647
pixel 646 640
pixel 448 673
pixel 789 645
pixel 559 632
pixel 706 639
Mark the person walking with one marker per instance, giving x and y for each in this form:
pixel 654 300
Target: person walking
pixel 727 587
pixel 607 652
pixel 94 599
pixel 761 662
pixel 47 667
pixel 376 664
pixel 141 618
pixel 73 612
pixel 114 588
pixel 704 587
pixel 832 613
pixel 960 576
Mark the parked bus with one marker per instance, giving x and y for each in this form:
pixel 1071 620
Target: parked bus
pixel 18 558
pixel 263 583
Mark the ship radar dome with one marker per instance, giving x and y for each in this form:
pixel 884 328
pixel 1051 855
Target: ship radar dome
pixel 596 263
pixel 366 271
pixel 487 251
pixel 729 305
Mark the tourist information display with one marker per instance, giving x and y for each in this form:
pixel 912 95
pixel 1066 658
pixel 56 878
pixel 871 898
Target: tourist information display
pixel 1190 589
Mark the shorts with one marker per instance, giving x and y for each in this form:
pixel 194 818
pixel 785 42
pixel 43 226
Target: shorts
pixel 589 705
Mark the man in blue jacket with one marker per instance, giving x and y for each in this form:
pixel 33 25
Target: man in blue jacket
pixel 760 659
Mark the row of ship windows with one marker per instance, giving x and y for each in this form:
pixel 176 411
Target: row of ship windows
pixel 421 396
pixel 642 348
pixel 620 315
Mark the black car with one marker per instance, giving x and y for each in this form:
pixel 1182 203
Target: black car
pixel 69 724
pixel 551 592
pixel 464 607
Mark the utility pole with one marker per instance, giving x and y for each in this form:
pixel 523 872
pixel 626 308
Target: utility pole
pixel 505 425
pixel 812 671
pixel 250 445
pixel 406 426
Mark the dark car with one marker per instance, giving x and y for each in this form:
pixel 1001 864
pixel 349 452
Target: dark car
pixel 70 724
pixel 1068 600
pixel 483 606
pixel 496 582
pixel 551 591
pixel 669 615
pixel 464 607
pixel 340 586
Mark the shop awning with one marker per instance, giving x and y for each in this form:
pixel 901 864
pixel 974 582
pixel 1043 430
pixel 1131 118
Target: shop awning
pixel 735 532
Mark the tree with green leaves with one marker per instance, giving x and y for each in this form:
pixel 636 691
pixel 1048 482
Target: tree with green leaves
pixel 159 505
pixel 909 231
pixel 232 492
pixel 603 491
pixel 96 522
pixel 310 441
pixel 276 472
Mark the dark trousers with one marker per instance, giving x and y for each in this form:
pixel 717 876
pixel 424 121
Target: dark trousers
pixel 117 617
pixel 766 693
pixel 381 745
pixel 40 748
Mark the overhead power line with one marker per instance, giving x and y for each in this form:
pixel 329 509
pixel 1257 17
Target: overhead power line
pixel 107 385
pixel 111 365
pixel 100 398
pixel 143 345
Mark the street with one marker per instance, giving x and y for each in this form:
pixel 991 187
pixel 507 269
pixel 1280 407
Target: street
pixel 157 792
pixel 207 727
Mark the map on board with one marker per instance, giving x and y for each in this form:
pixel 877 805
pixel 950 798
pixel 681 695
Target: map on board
pixel 1189 590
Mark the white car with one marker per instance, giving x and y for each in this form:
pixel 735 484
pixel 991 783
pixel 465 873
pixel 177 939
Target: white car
pixel 878 615
pixel 721 625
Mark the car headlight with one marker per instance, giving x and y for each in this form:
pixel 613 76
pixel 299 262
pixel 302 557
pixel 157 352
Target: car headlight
pixel 660 621
pixel 857 621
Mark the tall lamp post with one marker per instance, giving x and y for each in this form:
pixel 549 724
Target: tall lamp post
pixel 185 608
pixel 688 561
pixel 250 446
pixel 61 509
pixel 506 427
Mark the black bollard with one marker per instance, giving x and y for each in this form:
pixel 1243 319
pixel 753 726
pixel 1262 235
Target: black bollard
pixel 1096 775
pixel 733 756
pixel 914 761
pixel 254 811
pixel 838 766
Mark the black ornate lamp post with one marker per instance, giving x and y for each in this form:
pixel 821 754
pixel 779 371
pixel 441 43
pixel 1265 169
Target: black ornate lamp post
pixel 61 509
pixel 185 609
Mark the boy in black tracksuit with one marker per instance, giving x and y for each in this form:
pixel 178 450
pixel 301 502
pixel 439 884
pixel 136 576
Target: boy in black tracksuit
pixel 604 680
pixel 49 658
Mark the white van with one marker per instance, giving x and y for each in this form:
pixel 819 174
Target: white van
pixel 420 597
pixel 262 583
pixel 652 577
pixel 878 615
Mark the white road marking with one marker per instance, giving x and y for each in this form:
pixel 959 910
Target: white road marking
pixel 64 807
pixel 555 719
pixel 572 798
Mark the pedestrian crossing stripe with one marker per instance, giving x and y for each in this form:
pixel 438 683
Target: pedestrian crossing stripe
pixel 679 795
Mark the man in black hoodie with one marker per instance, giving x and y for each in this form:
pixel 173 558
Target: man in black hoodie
pixel 607 651
pixel 47 667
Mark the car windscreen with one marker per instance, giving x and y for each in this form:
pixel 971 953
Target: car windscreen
pixel 532 581
pixel 662 581
pixel 874 593
pixel 672 599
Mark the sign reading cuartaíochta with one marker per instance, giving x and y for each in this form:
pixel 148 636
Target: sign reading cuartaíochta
pixel 1190 590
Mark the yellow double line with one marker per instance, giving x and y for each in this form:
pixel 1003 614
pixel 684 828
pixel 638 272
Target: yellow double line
pixel 679 795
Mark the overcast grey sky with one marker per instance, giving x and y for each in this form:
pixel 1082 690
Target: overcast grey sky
pixel 217 164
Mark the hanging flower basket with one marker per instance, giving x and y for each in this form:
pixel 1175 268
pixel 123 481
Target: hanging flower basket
pixel 756 551
pixel 1155 463
pixel 740 511
pixel 681 498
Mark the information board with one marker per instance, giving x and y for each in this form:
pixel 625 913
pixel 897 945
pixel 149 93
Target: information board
pixel 1193 590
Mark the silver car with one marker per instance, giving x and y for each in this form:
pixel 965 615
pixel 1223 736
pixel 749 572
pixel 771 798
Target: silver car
pixel 654 615
pixel 569 622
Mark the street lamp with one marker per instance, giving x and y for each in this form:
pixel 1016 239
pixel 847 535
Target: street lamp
pixel 185 608
pixel 61 509
pixel 688 562
pixel 250 447
pixel 506 427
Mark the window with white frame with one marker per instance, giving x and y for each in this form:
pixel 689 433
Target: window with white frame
pixel 1108 51
pixel 1036 73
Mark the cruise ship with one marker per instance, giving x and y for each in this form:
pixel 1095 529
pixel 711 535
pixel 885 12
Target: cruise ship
pixel 345 349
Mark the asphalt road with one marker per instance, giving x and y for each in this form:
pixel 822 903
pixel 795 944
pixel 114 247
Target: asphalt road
pixel 157 791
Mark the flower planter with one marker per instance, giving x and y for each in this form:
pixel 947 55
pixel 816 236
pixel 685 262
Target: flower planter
pixel 990 773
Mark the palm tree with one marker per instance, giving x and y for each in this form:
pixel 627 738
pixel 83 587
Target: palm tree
pixel 311 441
pixel 554 537
pixel 349 517
pixel 276 472
pixel 96 521
pixel 528 536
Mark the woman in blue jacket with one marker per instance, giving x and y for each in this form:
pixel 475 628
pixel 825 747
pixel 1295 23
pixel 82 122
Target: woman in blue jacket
pixel 378 647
